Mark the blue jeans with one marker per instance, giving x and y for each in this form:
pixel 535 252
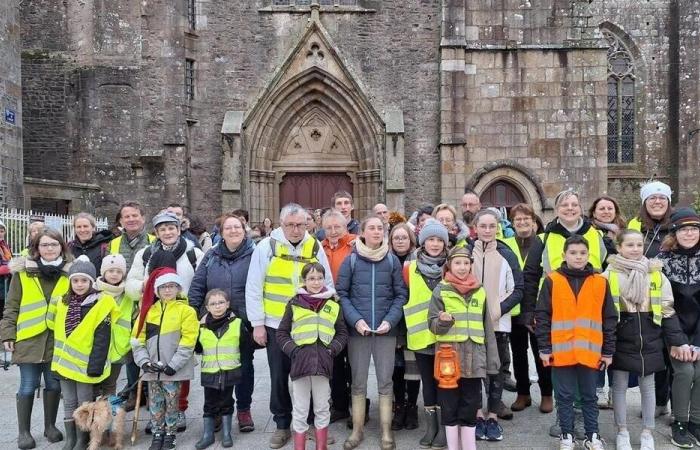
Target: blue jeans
pixel 30 378
pixel 567 380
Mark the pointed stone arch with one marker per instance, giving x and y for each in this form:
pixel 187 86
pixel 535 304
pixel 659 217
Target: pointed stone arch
pixel 312 117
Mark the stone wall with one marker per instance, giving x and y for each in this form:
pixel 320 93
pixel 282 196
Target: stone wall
pixel 11 170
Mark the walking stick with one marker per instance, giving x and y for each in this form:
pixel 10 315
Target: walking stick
pixel 134 426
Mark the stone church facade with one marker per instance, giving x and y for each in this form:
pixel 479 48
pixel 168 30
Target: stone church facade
pixel 254 103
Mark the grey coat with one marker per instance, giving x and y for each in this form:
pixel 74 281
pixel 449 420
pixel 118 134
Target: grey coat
pixel 475 360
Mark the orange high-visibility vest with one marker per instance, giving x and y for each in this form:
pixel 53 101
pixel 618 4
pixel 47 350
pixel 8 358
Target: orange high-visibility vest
pixel 577 321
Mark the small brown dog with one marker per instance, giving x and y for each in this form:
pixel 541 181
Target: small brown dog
pixel 104 415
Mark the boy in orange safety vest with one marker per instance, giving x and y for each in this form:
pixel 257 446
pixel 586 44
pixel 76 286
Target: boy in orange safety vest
pixel 575 327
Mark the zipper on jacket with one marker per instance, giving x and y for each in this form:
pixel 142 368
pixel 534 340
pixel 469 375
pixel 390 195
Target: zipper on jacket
pixel 373 325
pixel 641 340
pixel 160 329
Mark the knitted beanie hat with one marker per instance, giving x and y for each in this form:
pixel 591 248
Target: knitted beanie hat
pixel 433 228
pixel 83 267
pixel 654 188
pixel 684 217
pixel 113 262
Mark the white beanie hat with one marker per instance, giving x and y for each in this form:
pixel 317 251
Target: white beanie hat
pixel 165 279
pixel 653 188
pixel 113 262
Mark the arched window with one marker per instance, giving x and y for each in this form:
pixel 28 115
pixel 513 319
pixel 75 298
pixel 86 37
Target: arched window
pixel 621 101
pixel 502 193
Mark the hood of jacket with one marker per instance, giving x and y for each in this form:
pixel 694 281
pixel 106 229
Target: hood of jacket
pixel 278 235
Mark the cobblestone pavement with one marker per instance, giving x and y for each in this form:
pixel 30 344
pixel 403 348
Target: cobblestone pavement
pixel 527 431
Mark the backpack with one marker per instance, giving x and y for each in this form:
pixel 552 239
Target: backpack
pixel 353 260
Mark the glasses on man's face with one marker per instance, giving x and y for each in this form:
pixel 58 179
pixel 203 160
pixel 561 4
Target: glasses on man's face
pixel 298 226
pixel 50 245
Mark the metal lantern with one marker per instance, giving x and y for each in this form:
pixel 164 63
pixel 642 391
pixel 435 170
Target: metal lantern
pixel 447 371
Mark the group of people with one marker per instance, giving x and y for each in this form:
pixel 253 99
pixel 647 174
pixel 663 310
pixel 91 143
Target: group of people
pixel 441 302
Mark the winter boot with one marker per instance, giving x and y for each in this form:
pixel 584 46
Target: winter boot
pixel 299 441
pixel 358 422
pixel 399 419
pixel 520 403
pixel 51 401
pixel 322 438
pixel 411 417
pixel 452 434
pixel 69 425
pixel 431 427
pixel 207 434
pixel 226 439
pixel 440 440
pixel 82 439
pixel 24 421
pixel 387 439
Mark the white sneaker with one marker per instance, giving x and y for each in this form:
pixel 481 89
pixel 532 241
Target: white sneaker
pixel 602 395
pixel 646 440
pixel 622 441
pixel 594 443
pixel 566 442
pixel 661 411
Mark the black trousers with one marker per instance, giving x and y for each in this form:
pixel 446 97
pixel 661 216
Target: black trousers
pixel 402 387
pixel 662 382
pixel 459 405
pixel 519 337
pixel 218 402
pixel 340 382
pixel 426 365
pixel 280 365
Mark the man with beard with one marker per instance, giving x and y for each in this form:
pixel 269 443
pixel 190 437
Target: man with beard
pixel 471 204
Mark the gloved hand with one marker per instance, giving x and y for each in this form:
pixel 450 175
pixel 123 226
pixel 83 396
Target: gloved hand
pixel 150 367
pixel 169 371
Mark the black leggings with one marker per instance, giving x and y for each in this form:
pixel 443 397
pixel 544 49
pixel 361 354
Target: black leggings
pixel 403 387
pixel 459 405
pixel 425 365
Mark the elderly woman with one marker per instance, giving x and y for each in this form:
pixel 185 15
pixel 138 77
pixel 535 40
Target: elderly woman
pixel 88 241
pixel 456 229
pixel 372 293
pixel 681 256
pixel 26 328
pixel 654 216
pixel 547 250
pixel 225 267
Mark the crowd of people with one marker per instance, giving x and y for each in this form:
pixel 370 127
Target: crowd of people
pixel 442 303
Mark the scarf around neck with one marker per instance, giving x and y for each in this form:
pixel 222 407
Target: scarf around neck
pixel 315 301
pixel 51 270
pixel 487 269
pixel 430 266
pixel 111 289
pixel 463 285
pixel 636 289
pixel 373 255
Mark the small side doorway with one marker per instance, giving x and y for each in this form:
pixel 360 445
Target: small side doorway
pixel 312 190
pixel 502 194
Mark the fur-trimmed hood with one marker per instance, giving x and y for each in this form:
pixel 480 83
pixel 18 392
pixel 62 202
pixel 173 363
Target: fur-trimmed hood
pixel 23 263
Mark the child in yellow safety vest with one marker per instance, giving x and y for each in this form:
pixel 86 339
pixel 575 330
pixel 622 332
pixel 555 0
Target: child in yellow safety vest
pixel 312 332
pixel 82 334
pixel 575 326
pixel 111 282
pixel 221 336
pixel 643 298
pixel 458 315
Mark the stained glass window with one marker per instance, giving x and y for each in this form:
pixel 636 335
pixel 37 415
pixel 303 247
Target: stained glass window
pixel 621 101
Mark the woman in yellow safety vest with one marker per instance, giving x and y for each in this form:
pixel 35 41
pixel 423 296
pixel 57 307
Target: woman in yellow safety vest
pixel 654 218
pixel 458 315
pixel 422 275
pixel 82 334
pixel 25 329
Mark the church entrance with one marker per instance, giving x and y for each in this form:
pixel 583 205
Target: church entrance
pixel 313 190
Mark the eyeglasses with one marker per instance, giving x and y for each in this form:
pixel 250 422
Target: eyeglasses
pixel 291 226
pixel 219 303
pixel 50 245
pixel 658 198
pixel 170 286
pixel 689 230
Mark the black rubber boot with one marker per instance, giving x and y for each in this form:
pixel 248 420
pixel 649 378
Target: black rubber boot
pixel 411 417
pixel 208 434
pixel 431 428
pixel 24 421
pixel 51 401
pixel 399 420
pixel 226 439
pixel 71 437
pixel 440 440
pixel 82 439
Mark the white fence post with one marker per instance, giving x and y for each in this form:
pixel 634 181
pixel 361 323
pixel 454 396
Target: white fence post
pixel 17 221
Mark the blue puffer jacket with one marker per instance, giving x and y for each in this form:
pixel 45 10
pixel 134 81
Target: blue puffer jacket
pixel 221 269
pixel 373 291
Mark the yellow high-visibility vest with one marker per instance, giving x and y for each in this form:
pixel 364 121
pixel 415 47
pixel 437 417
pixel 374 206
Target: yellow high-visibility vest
pixel 120 344
pixel 309 326
pixel 283 275
pixel 655 281
pixel 552 255
pixel 115 244
pixel 418 334
pixel 469 317
pixel 224 353
pixel 35 314
pixel 71 354
pixel 635 224
pixel 512 243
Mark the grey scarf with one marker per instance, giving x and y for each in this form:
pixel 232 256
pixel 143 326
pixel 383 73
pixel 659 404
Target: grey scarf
pixel 430 266
pixel 637 278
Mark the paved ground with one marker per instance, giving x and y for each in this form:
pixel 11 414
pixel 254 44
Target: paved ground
pixel 527 431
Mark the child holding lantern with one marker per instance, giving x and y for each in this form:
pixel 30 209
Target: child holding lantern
pixel 467 347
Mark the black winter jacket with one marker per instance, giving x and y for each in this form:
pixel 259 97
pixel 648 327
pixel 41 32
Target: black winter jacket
pixel 682 268
pixel 224 378
pixel 95 249
pixel 312 359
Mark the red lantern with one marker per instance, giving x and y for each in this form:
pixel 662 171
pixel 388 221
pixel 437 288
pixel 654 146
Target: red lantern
pixel 446 370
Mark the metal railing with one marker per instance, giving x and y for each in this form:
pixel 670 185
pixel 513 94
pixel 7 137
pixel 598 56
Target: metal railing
pixel 17 221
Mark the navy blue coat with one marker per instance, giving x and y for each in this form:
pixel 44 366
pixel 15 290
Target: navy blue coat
pixel 220 269
pixel 373 291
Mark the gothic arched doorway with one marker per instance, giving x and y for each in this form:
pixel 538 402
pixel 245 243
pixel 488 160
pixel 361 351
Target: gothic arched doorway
pixel 502 194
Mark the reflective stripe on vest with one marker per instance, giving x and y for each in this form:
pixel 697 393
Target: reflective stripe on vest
pixel 34 316
pixel 512 243
pixel 418 334
pixel 469 318
pixel 115 244
pixel 283 276
pixel 120 344
pixel 554 249
pixel 654 293
pixel 71 354
pixel 309 326
pixel 224 353
pixel 635 224
pixel 577 323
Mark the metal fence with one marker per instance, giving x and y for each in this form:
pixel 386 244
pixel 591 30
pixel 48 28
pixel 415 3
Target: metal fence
pixel 17 221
